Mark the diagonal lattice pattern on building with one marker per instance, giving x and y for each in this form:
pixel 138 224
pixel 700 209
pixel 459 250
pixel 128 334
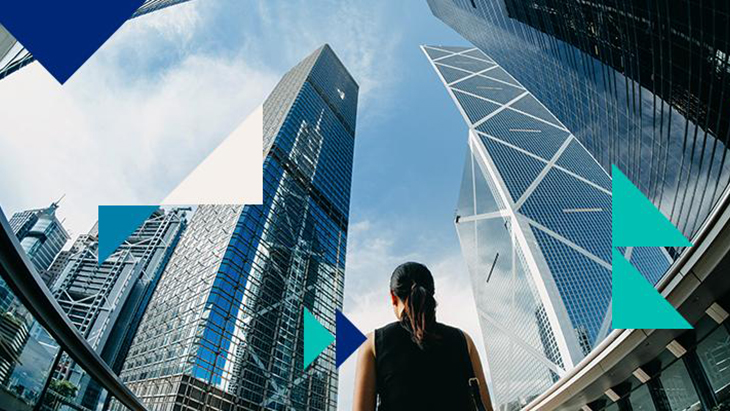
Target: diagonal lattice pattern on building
pixel 534 222
pixel 642 85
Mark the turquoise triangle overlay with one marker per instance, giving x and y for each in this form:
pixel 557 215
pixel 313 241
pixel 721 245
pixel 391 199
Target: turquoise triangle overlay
pixel 116 223
pixel 636 222
pixel 637 304
pixel 316 338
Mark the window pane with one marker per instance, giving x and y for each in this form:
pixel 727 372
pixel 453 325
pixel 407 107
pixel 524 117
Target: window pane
pixel 641 399
pixel 714 353
pixel 26 354
pixel 678 388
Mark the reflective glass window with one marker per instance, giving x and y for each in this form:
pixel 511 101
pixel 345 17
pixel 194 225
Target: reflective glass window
pixel 678 388
pixel 714 355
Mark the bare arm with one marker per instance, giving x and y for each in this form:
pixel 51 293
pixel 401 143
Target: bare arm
pixel 479 373
pixel 364 399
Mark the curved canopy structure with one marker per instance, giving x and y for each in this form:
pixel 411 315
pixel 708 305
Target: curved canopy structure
pixel 26 284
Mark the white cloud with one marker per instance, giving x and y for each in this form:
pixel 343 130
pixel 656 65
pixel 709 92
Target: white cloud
pixel 164 91
pixel 168 87
pixel 112 134
pixel 359 32
pixel 372 256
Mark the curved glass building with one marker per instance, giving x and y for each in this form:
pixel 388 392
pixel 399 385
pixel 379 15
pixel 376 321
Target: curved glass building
pixel 534 223
pixel 643 85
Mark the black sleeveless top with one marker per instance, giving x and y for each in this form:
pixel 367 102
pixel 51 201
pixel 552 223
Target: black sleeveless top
pixel 408 378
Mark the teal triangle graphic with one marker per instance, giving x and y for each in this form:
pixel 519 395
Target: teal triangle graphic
pixel 637 304
pixel 316 338
pixel 116 223
pixel 636 222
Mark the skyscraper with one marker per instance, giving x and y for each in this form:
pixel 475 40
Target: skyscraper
pixel 106 301
pixel 62 260
pixel 41 235
pixel 224 327
pixel 642 85
pixel 534 223
pixel 616 34
pixel 82 242
pixel 13 56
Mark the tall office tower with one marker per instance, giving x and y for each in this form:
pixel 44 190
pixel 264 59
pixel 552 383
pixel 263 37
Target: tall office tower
pixel 224 328
pixel 106 301
pixel 534 223
pixel 82 242
pixel 642 85
pixel 41 235
pixel 60 263
pixel 13 56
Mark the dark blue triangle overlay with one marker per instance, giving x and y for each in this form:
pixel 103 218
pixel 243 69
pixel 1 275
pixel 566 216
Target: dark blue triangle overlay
pixel 348 338
pixel 116 223
pixel 62 35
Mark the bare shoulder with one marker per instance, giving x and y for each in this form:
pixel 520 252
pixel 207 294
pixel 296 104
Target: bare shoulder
pixel 368 347
pixel 469 342
pixel 370 341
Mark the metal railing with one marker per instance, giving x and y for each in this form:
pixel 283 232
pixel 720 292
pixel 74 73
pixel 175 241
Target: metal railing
pixel 26 284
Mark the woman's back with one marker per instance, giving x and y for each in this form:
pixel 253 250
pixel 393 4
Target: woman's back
pixel 411 378
pixel 418 363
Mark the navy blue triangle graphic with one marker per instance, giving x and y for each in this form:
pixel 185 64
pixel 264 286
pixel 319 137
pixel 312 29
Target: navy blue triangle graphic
pixel 348 338
pixel 62 35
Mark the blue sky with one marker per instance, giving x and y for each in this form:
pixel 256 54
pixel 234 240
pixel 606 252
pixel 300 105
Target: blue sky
pixel 168 87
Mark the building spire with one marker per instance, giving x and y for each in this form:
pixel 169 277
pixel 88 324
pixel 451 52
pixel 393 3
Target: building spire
pixel 54 205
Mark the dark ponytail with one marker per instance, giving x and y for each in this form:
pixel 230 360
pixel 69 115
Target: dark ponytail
pixel 413 284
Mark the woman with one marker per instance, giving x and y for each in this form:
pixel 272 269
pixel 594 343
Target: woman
pixel 418 363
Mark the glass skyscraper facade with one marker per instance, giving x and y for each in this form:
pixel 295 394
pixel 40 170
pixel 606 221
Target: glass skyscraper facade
pixel 41 235
pixel 106 301
pixel 223 330
pixel 643 85
pixel 534 223
pixel 24 355
pixel 13 56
